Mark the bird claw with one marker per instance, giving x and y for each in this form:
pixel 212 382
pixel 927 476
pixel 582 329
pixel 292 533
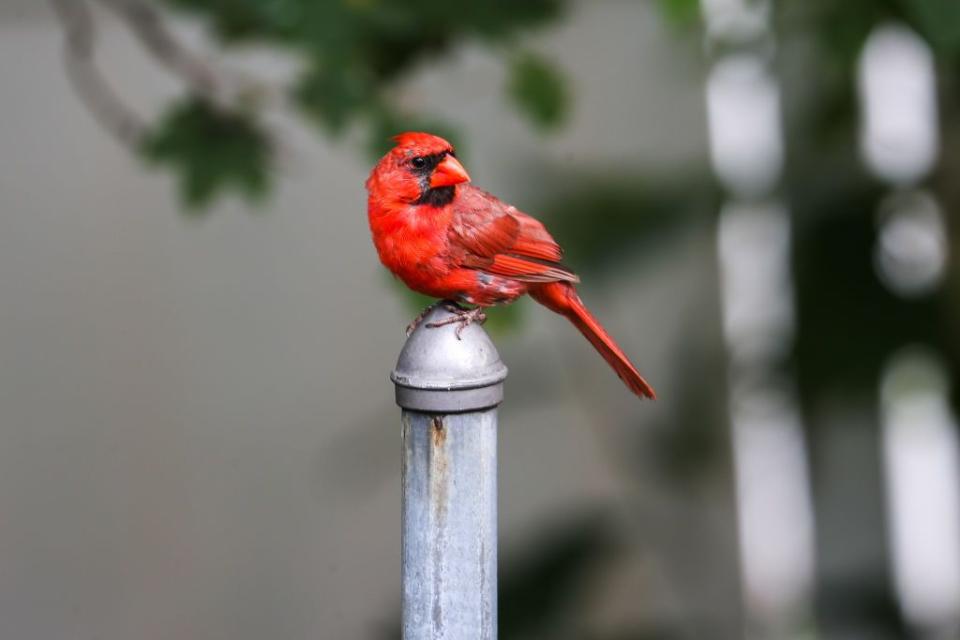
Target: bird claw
pixel 423 314
pixel 462 317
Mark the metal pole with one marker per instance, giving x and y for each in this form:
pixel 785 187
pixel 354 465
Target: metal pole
pixel 449 389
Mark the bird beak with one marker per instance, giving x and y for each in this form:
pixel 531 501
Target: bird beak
pixel 448 173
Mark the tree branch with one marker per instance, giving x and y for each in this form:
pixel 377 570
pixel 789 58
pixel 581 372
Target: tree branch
pixel 226 92
pixel 218 86
pixel 87 81
pixel 145 22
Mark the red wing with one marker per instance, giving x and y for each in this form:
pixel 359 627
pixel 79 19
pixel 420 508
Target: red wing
pixel 500 240
pixel 530 269
pixel 534 240
pixel 485 235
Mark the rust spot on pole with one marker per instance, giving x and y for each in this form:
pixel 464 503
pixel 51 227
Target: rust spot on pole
pixel 439 433
pixel 438 468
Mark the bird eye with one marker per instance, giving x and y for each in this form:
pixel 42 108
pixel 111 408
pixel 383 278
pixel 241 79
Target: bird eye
pixel 419 162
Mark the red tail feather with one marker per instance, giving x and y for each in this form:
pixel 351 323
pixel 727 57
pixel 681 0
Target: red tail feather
pixel 562 298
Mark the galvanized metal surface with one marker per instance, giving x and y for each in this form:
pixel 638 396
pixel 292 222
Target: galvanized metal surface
pixel 449 389
pixel 438 372
pixel 450 526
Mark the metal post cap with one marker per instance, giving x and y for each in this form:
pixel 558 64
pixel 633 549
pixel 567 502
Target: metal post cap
pixel 439 373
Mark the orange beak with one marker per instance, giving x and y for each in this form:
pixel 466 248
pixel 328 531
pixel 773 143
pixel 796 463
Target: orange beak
pixel 448 173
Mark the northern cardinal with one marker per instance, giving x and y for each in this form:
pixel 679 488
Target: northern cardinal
pixel 447 239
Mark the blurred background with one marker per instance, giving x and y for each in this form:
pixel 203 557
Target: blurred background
pixel 197 432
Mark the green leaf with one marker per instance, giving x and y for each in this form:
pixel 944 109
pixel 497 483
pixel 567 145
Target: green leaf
pixel 538 90
pixel 334 94
pixel 681 12
pixel 938 21
pixel 239 20
pixel 211 151
pixel 356 53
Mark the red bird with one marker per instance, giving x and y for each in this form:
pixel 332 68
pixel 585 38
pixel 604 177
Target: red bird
pixel 450 240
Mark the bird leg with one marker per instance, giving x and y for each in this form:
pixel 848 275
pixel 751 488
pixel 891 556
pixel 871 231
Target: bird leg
pixel 462 317
pixel 423 314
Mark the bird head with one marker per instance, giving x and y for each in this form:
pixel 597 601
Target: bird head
pixel 421 169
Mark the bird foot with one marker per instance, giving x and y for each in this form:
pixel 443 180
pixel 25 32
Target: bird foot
pixel 462 317
pixel 416 321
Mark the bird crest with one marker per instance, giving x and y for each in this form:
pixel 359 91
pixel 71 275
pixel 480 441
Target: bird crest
pixel 420 140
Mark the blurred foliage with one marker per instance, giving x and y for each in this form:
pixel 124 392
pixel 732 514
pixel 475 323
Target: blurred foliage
pixel 841 295
pixel 210 150
pixel 835 202
pixel 848 322
pixel 841 28
pixel 939 21
pixel 681 12
pixel 354 55
pixel 538 90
